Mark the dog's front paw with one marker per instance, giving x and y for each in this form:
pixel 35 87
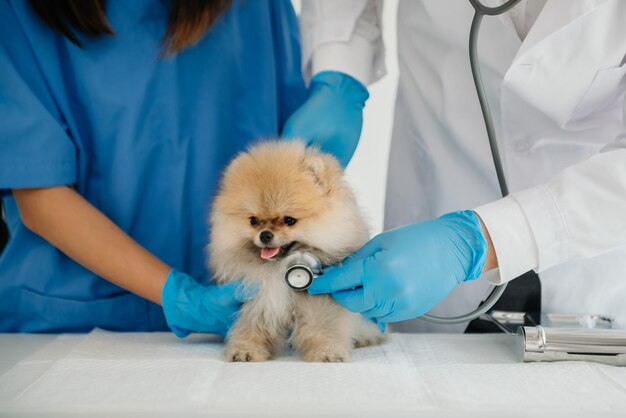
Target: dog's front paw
pixel 247 353
pixel 327 354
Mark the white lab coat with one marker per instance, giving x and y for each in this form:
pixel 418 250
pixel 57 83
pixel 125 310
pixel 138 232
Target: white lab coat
pixel 558 98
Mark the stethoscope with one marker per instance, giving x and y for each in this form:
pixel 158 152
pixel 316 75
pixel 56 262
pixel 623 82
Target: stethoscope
pixel 480 11
pixel 302 268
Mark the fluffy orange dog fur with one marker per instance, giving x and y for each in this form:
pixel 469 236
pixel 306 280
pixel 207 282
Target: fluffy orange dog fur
pixel 298 196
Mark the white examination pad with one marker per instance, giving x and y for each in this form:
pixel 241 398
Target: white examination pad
pixel 139 374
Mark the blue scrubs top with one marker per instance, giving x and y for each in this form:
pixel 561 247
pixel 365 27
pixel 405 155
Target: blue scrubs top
pixel 142 137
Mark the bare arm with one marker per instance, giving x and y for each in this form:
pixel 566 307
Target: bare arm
pixel 491 262
pixel 64 218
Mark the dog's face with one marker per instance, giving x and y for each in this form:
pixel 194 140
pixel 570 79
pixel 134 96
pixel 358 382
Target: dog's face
pixel 271 232
pixel 281 197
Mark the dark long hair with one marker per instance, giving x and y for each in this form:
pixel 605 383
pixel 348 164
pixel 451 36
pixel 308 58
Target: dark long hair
pixel 188 21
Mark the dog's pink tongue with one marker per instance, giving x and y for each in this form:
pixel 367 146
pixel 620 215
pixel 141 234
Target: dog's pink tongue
pixel 269 252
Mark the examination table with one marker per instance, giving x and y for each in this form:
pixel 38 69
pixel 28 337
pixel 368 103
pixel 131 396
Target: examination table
pixel 412 375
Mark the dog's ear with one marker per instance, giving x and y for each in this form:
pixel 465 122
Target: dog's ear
pixel 324 168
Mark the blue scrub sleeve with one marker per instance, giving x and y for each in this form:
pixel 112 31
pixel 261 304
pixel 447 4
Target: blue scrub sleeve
pixel 35 148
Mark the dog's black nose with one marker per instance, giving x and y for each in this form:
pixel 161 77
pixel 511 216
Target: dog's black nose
pixel 266 237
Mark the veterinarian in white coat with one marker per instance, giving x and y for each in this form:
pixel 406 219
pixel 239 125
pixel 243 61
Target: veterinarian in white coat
pixel 555 76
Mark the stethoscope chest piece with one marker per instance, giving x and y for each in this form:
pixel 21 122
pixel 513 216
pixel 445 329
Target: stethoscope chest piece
pixel 299 277
pixel 302 268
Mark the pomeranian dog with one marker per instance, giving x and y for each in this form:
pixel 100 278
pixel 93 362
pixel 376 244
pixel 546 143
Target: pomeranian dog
pixel 274 199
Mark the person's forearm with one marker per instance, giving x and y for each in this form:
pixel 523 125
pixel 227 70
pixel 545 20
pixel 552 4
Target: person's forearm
pixel 69 222
pixel 492 261
pixel 577 214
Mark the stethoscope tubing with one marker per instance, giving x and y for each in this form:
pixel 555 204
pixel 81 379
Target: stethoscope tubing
pixel 480 11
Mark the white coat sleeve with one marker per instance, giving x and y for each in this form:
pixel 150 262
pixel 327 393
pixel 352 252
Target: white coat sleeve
pixel 343 36
pixel 580 213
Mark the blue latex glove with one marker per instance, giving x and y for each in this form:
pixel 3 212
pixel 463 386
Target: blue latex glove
pixel 332 116
pixel 402 273
pixel 192 307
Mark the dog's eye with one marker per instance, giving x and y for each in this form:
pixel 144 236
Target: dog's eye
pixel 288 220
pixel 254 220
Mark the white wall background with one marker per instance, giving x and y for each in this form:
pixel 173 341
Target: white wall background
pixel 367 172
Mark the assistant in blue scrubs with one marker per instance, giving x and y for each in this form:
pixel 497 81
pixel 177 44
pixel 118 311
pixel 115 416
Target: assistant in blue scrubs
pixel 142 137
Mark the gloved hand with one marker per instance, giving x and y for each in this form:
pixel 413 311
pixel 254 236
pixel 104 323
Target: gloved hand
pixel 192 307
pixel 402 273
pixel 332 116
